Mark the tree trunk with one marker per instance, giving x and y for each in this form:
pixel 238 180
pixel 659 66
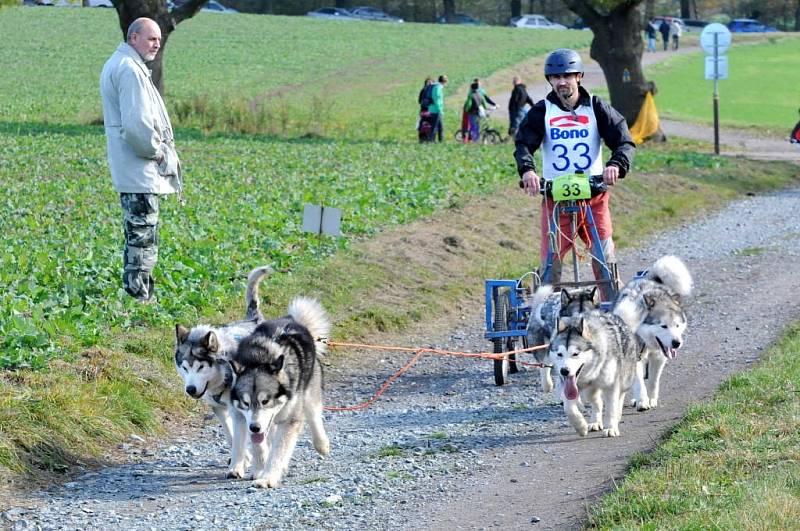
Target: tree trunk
pixel 450 10
pixel 649 9
pixel 617 46
pixel 685 11
pixel 516 8
pixel 342 3
pixel 797 16
pixel 130 10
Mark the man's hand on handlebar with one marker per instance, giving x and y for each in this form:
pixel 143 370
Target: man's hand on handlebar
pixel 611 175
pixel 530 183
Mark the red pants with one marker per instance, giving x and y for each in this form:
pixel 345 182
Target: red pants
pixel 602 221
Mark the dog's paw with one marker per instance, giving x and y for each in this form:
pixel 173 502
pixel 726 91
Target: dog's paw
pixel 323 448
pixel 643 405
pixel 611 432
pixel 595 426
pixel 654 402
pixel 263 484
pixel 234 474
pixel 582 429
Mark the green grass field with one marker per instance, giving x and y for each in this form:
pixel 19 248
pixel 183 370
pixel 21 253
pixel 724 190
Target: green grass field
pixel 256 73
pixel 762 91
pixel 73 346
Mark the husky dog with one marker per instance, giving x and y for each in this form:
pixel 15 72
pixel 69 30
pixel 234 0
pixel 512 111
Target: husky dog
pixel 202 356
pixel 546 307
pixel 595 354
pixel 278 386
pixel 655 302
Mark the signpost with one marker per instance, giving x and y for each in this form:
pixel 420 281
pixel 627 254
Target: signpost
pixel 715 40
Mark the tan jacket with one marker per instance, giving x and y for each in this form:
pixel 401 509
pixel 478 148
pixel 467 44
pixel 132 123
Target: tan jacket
pixel 138 129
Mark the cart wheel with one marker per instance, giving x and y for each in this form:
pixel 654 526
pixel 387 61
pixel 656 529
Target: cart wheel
pixel 501 367
pixel 491 136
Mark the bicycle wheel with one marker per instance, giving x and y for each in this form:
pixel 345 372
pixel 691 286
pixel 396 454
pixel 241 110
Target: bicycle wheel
pixel 492 136
pixel 459 136
pixel 502 307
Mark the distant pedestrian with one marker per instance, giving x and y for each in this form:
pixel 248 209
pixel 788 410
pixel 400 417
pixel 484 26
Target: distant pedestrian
pixel 425 94
pixel 436 108
pixel 676 31
pixel 474 111
pixel 516 105
pixel 650 32
pixel 141 152
pixel 664 29
pixel 794 138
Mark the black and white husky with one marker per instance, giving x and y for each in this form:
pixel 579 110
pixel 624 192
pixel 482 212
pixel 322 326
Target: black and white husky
pixel 596 354
pixel 278 388
pixel 655 302
pixel 547 307
pixel 203 354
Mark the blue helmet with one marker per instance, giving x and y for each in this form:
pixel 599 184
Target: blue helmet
pixel 563 61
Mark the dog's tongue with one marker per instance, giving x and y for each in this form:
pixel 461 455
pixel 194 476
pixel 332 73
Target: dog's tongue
pixel 257 438
pixel 571 388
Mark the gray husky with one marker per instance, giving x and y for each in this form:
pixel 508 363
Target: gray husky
pixel 278 387
pixel 203 354
pixel 655 302
pixel 546 307
pixel 596 354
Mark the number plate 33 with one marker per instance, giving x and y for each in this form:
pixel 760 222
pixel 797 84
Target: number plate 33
pixel 570 187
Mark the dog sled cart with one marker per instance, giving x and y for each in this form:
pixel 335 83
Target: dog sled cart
pixel 508 300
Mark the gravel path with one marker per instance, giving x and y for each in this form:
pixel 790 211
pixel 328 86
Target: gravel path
pixel 446 448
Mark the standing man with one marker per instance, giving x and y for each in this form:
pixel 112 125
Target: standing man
pixel 141 153
pixel 516 105
pixel 570 125
pixel 663 28
pixel 437 108
pixel 675 30
pixel 650 33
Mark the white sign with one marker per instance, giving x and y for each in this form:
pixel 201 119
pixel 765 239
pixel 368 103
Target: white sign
pixel 723 38
pixel 722 67
pixel 322 220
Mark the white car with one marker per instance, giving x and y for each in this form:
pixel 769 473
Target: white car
pixel 536 22
pixel 98 3
pixel 331 13
pixel 212 6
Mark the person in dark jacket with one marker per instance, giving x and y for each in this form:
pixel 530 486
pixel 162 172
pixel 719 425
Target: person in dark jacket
pixel 569 126
pixel 664 29
pixel 516 105
pixel 425 97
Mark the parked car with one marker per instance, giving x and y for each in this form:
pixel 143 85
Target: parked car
pixel 749 25
pixel 691 24
pixel 331 13
pixel 461 18
pixel 215 7
pixel 536 22
pixel 579 24
pixel 373 13
pixel 659 18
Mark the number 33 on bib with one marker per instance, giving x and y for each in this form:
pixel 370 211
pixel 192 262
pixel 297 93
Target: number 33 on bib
pixel 572 142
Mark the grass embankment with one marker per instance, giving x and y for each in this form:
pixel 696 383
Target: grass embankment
pixel 762 90
pixel 732 463
pixel 84 367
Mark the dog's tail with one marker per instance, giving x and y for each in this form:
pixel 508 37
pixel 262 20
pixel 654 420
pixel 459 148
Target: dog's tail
pixel 670 271
pixel 539 297
pixel 251 298
pixel 310 313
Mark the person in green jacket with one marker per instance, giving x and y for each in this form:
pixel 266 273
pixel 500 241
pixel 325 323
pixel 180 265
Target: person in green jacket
pixel 437 108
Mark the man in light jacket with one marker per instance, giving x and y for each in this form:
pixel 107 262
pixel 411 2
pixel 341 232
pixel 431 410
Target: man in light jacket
pixel 141 152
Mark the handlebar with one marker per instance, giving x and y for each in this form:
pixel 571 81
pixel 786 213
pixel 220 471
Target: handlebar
pixel 596 185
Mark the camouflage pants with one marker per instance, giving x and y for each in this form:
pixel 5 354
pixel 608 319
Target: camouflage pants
pixel 140 225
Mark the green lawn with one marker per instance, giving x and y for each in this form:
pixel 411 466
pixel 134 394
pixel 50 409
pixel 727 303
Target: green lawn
pixel 271 74
pixel 763 88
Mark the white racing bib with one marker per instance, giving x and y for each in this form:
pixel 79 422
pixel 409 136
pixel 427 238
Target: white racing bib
pixel 571 143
